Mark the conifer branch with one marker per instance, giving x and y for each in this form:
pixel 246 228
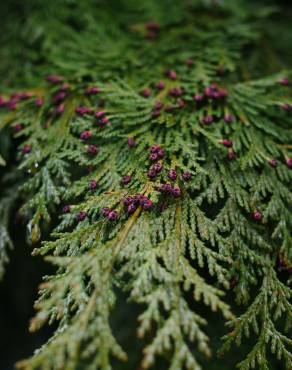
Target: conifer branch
pixel 168 179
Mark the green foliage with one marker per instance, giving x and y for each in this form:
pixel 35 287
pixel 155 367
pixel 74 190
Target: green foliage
pixel 186 252
pixel 6 204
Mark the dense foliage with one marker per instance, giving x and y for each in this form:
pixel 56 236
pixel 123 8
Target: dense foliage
pixel 149 148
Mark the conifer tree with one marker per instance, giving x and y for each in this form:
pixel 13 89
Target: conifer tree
pixel 148 148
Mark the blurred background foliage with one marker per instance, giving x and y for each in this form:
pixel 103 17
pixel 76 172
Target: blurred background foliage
pixel 39 37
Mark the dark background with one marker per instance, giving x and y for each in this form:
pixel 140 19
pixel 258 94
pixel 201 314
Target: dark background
pixel 18 291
